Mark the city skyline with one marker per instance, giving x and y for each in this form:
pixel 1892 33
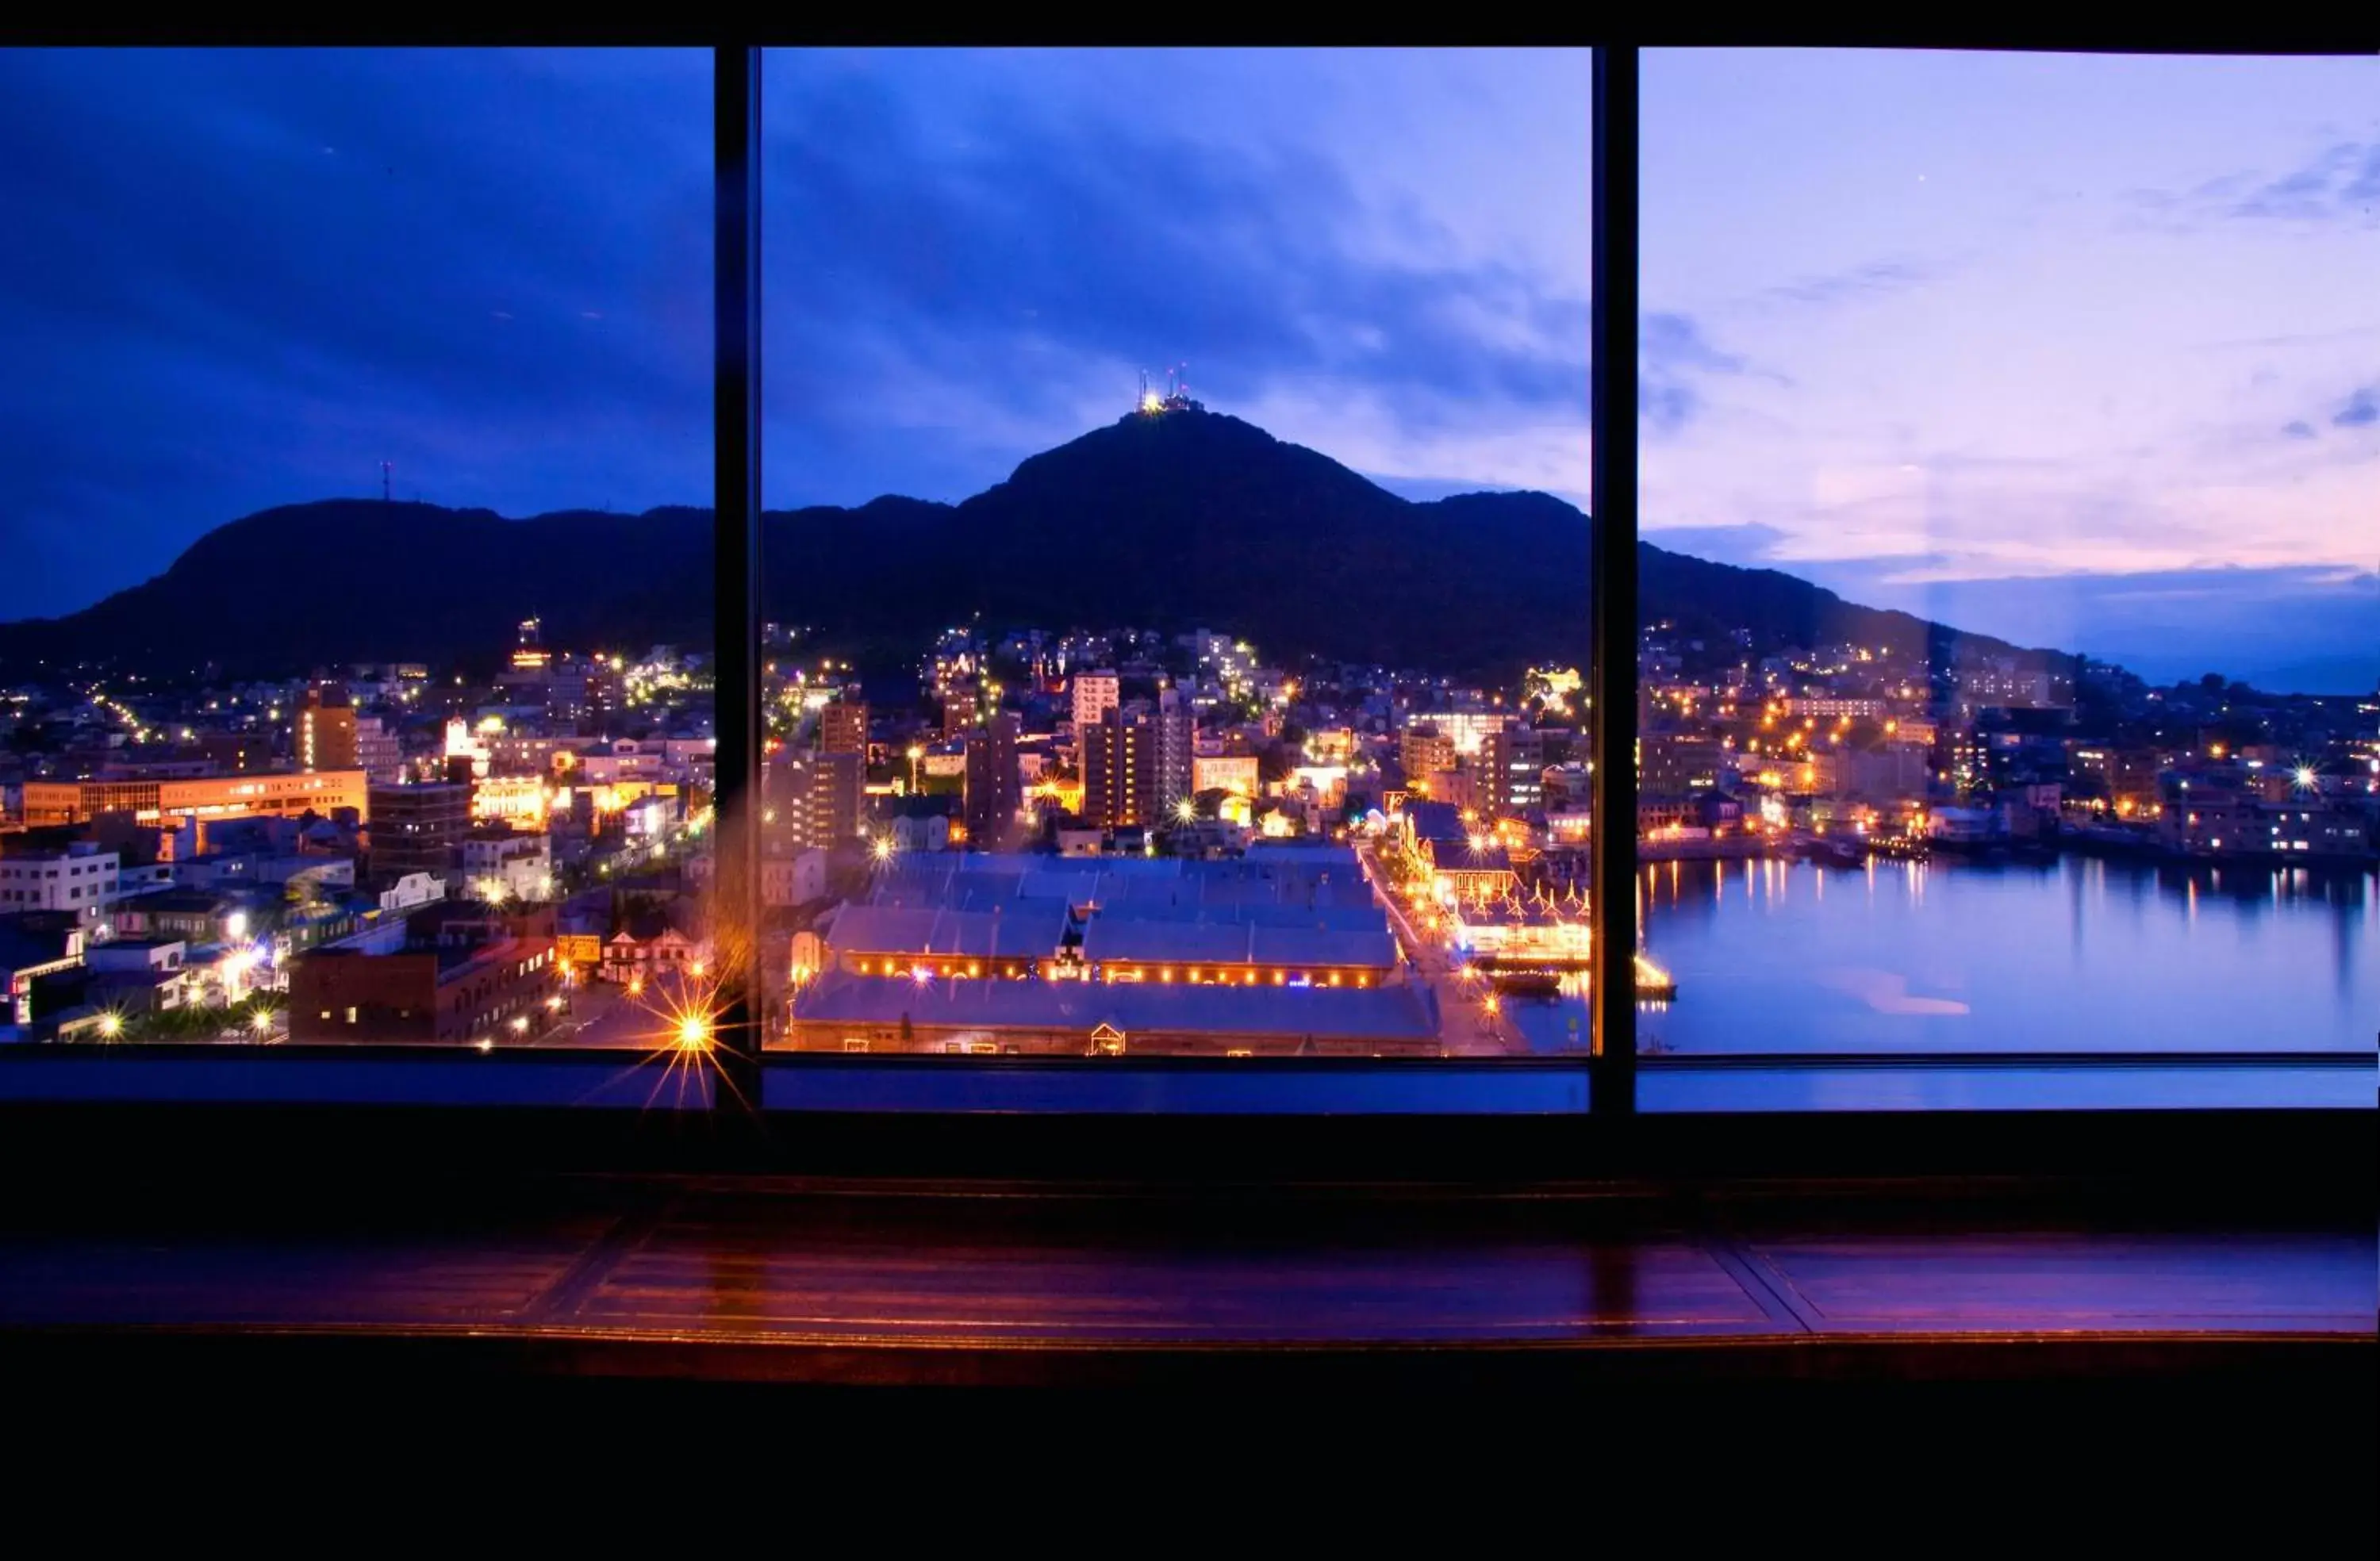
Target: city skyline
pixel 1362 252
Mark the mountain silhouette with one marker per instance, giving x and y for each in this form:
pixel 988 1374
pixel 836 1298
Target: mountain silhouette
pixel 1180 520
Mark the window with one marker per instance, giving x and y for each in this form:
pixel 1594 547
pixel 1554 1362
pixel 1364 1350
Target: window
pixel 405 354
pixel 2048 390
pixel 1122 713
pixel 1124 706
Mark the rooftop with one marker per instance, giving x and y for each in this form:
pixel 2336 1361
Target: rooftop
pixel 1375 1013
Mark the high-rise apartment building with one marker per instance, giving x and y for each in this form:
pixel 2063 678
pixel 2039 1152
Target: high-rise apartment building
pixel 993 791
pixel 1119 770
pixel 325 737
pixel 1175 729
pixel 1137 767
pixel 1095 694
pixel 1512 764
pixel 378 753
pixel 1422 752
pixel 959 710
pixel 843 726
pixel 818 798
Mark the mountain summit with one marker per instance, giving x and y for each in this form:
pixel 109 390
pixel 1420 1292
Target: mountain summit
pixel 1170 520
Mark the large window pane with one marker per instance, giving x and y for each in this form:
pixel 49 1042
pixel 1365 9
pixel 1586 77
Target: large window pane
pixel 356 681
pixel 2012 491
pixel 1124 706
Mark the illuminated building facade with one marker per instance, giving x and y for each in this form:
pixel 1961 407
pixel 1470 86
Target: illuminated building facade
pixel 843 726
pixel 325 734
pixel 1291 956
pixel 1513 766
pixel 1678 764
pixel 1834 707
pixel 1235 773
pixel 518 800
pixel 203 797
pixel 509 865
pixel 818 798
pixel 1176 735
pixel 378 753
pixel 1467 730
pixel 1424 751
pixel 1095 694
pixel 1120 766
pixel 959 708
pixel 80 879
pixel 529 655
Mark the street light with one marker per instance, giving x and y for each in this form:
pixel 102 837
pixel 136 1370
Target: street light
pixel 916 753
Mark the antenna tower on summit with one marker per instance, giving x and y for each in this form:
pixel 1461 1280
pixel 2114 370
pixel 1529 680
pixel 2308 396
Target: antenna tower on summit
pixel 386 467
pixel 1176 397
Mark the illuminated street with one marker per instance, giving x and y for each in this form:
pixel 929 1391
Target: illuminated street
pixel 1467 1025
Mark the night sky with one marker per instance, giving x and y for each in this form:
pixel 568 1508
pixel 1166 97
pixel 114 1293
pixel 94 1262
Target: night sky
pixel 2081 351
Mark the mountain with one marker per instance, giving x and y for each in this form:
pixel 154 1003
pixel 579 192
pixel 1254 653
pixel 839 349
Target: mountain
pixel 1172 521
pixel 361 580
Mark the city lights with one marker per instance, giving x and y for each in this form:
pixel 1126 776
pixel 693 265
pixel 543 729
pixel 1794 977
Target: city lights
pixel 1410 843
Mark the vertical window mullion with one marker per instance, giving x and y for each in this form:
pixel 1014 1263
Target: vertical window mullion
pixel 735 410
pixel 1612 482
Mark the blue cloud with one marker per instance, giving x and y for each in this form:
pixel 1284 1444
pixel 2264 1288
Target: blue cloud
pixel 1674 354
pixel 997 272
pixel 1861 284
pixel 2339 184
pixel 2300 429
pixel 2362 410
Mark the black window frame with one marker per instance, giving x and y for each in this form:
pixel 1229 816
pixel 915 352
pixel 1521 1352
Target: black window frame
pixel 735 1108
